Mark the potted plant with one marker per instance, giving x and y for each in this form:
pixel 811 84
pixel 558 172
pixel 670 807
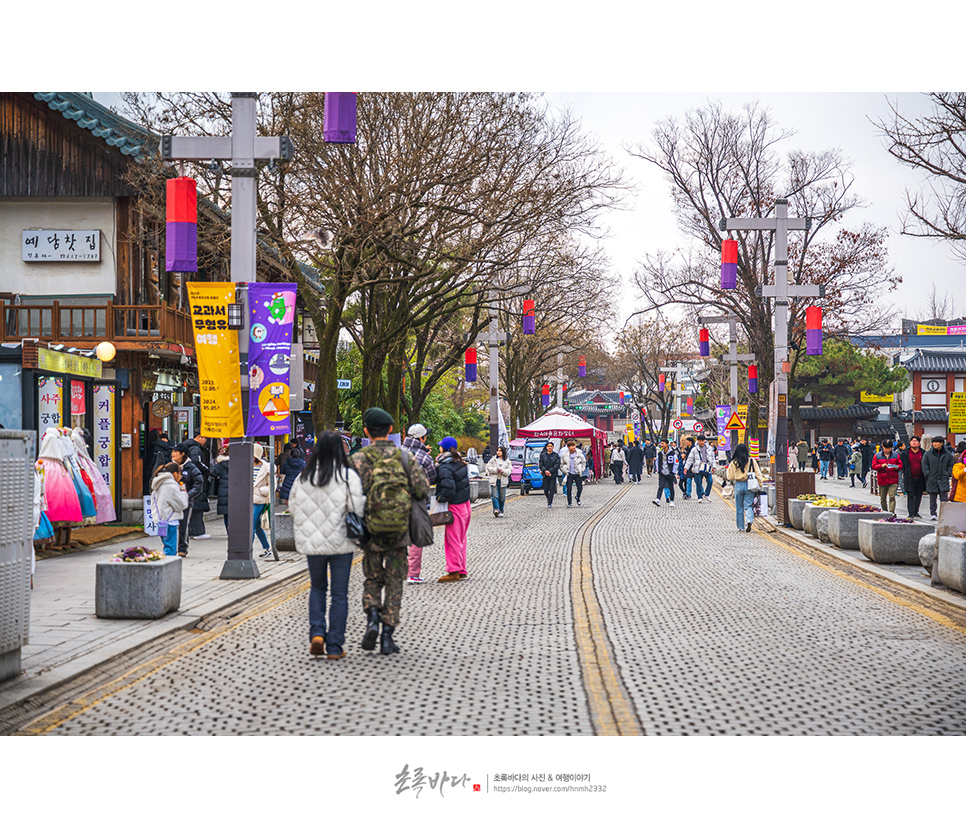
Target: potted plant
pixel 137 584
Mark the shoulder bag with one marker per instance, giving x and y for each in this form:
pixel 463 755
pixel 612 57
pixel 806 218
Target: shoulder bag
pixel 355 527
pixel 752 482
pixel 420 524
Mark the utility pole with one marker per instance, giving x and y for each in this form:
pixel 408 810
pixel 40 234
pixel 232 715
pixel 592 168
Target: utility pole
pixel 242 149
pixel 780 224
pixel 559 379
pixel 493 339
pixel 732 357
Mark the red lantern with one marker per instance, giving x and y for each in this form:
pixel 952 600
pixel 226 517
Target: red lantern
pixel 813 331
pixel 471 365
pixel 660 381
pixel 752 379
pixel 582 367
pixel 729 264
pixel 181 227
pixel 529 317
pixel 545 394
pixel 704 339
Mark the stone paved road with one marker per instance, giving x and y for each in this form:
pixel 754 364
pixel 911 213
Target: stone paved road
pixel 707 631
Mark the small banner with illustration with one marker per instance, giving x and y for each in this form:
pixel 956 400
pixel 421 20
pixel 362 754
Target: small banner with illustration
pixel 217 348
pixel 272 314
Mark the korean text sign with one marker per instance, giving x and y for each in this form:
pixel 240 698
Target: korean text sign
pixel 218 369
pixel 104 434
pixel 272 314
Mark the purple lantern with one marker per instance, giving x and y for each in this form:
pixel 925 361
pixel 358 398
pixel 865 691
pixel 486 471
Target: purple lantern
pixel 729 264
pixel 545 395
pixel 339 118
pixel 813 331
pixel 529 317
pixel 181 232
pixel 471 365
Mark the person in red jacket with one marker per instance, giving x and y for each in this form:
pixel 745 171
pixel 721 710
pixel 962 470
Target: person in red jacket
pixel 888 467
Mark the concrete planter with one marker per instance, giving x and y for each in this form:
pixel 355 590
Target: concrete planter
pixel 284 532
pixel 810 518
pixel 137 590
pixel 484 487
pixel 796 508
pixel 474 490
pixel 892 544
pixel 843 528
pixel 952 562
pixel 772 493
pixel 927 550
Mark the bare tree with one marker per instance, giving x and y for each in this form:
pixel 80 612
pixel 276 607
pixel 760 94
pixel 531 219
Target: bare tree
pixel 938 307
pixel 732 165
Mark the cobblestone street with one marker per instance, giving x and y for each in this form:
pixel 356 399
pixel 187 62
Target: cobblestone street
pixel 614 617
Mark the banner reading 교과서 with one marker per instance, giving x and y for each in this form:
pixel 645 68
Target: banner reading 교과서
pixel 217 349
pixel 272 316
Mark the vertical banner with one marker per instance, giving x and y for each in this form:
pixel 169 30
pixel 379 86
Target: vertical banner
pixel 50 402
pixel 636 417
pixel 723 415
pixel 217 350
pixel 743 414
pixel 272 315
pixel 104 450
pixel 78 405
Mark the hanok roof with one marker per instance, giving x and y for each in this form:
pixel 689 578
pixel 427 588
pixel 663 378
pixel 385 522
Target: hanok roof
pixel 936 362
pixel 859 411
pixel 130 139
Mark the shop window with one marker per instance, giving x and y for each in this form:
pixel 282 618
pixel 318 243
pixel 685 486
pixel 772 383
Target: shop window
pixel 11 392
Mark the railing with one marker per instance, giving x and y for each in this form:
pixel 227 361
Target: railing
pixel 111 322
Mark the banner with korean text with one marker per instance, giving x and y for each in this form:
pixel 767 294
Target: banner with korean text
pixel 217 350
pixel 104 448
pixel 271 316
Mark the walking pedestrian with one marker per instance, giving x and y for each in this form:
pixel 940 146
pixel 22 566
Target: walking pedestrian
pixel 589 474
pixel 914 481
pixel 194 483
pixel 573 463
pixel 649 454
pixel 550 466
pixel 498 470
pixel 700 462
pixel 666 464
pixel 684 474
pixel 608 451
pixel 325 489
pixel 841 455
pixel 937 469
pixel 802 454
pixel 291 469
pixel 414 443
pixel 635 462
pixel 197 451
pixel 814 460
pixel 453 487
pixel 218 485
pixel 825 454
pixel 390 488
pixel 867 454
pixel 261 497
pixel 855 465
pixel 743 468
pixel 888 467
pixel 170 501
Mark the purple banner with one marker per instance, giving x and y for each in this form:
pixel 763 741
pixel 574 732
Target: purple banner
pixel 813 342
pixel 272 314
pixel 723 415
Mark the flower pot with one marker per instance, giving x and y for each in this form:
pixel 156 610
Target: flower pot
pixel 892 544
pixel 843 528
pixel 137 590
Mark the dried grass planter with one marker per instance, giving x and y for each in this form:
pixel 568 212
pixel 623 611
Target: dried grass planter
pixel 886 543
pixel 137 590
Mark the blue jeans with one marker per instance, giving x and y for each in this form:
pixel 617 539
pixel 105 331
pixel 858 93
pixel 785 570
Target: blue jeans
pixel 256 523
pixel 498 496
pixel 338 565
pixel 170 541
pixel 823 468
pixel 703 478
pixel 744 512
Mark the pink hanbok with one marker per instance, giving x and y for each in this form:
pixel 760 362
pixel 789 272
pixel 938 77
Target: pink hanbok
pixel 102 492
pixel 60 496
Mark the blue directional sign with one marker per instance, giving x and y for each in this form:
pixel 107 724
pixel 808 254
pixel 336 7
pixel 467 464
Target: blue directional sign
pixel 344 384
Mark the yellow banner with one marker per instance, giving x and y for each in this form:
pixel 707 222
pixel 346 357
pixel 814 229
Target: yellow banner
pixel 930 330
pixel 742 411
pixel 866 397
pixel 957 413
pixel 218 369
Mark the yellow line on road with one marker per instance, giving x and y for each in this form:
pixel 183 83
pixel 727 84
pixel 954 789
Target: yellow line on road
pixel 611 710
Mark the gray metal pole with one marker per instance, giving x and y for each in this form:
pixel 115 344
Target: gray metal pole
pixel 494 376
pixel 559 379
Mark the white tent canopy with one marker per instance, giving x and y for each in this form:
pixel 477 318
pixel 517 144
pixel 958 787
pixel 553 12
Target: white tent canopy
pixel 560 423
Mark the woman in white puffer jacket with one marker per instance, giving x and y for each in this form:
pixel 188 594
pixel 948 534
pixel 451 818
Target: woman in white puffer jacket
pixel 321 496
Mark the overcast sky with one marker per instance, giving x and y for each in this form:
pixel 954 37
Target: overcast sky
pixel 820 121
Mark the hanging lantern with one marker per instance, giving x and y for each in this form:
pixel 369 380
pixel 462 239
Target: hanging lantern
pixel 729 264
pixel 752 379
pixel 181 228
pixel 813 331
pixel 704 342
pixel 690 404
pixel 622 397
pixel 339 118
pixel 471 365
pixel 582 367
pixel 545 395
pixel 529 317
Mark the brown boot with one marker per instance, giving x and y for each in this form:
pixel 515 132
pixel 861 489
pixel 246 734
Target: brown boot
pixel 450 577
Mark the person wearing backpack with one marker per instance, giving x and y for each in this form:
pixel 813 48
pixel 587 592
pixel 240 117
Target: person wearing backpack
pixel 453 487
pixel 391 480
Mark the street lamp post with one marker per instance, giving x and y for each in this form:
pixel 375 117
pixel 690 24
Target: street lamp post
pixel 780 224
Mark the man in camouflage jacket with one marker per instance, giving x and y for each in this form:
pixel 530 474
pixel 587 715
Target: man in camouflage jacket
pixel 385 565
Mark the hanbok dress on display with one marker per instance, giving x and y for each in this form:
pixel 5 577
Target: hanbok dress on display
pixel 60 497
pixel 103 501
pixel 84 494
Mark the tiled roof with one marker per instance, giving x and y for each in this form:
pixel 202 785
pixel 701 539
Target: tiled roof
pixel 130 139
pixel 931 415
pixel 936 362
pixel 854 412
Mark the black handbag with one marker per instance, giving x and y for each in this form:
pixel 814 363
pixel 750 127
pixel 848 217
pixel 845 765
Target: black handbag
pixel 420 524
pixel 355 527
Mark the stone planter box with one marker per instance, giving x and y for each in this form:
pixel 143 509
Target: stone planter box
pixel 474 490
pixel 928 545
pixel 796 508
pixel 137 590
pixel 772 492
pixel 484 487
pixel 892 544
pixel 843 528
pixel 284 532
pixel 952 562
pixel 810 518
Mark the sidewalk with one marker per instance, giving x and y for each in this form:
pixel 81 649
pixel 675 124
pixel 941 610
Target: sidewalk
pixel 66 639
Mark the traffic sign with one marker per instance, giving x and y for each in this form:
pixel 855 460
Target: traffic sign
pixel 698 427
pixel 735 424
pixel 344 384
pixel 678 424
